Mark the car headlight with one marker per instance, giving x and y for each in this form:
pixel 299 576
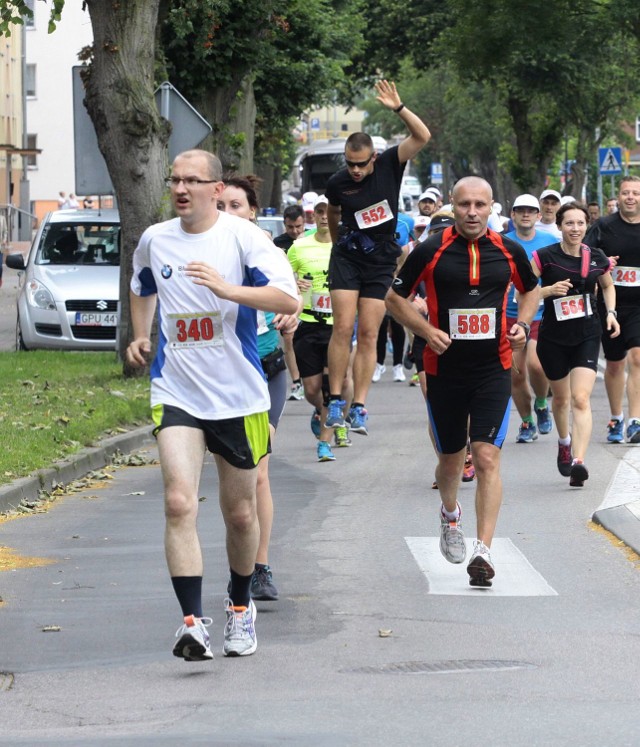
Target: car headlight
pixel 40 296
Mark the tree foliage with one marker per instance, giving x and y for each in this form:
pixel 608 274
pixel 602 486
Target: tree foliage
pixel 503 87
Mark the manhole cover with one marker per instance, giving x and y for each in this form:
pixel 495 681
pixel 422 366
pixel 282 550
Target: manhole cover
pixel 443 667
pixel 6 681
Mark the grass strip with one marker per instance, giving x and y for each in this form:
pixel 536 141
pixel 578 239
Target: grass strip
pixel 54 403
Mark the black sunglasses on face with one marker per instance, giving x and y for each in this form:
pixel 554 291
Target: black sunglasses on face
pixel 358 164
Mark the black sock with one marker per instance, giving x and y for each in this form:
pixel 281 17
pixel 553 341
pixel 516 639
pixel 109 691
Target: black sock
pixel 357 404
pixel 334 397
pixel 188 589
pixel 240 593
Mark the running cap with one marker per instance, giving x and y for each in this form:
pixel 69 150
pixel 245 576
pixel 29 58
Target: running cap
pixel 309 198
pixel 441 222
pixel 566 199
pixel 430 194
pixel 320 200
pixel 421 221
pixel 526 200
pixel 551 193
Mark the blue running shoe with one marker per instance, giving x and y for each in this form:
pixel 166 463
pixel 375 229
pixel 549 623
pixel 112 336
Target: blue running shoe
pixel 358 420
pixel 324 452
pixel 316 425
pixel 633 431
pixel 615 433
pixel 335 416
pixel 545 423
pixel 527 433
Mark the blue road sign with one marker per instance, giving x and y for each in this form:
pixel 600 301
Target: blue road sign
pixel 610 161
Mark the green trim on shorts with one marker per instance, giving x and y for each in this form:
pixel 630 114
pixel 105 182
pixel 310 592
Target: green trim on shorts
pixel 157 411
pixel 256 428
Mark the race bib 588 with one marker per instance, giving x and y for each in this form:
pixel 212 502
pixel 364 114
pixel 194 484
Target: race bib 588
pixel 472 324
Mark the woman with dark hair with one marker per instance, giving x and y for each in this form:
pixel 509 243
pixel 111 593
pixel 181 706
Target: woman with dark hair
pixel 569 336
pixel 240 198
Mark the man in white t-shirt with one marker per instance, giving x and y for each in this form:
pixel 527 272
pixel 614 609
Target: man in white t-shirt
pixel 210 272
pixel 550 201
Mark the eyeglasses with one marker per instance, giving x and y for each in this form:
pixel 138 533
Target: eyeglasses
pixel 189 182
pixel 358 164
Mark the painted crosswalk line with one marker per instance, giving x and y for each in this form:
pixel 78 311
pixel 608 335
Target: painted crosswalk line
pixel 515 576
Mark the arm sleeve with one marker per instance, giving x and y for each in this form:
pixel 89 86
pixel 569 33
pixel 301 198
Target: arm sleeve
pixel 265 263
pixel 411 272
pixel 292 256
pixel 524 279
pixel 142 281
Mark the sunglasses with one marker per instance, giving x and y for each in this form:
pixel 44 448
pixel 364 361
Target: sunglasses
pixel 358 164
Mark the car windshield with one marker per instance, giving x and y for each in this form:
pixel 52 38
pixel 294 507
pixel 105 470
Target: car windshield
pixel 79 243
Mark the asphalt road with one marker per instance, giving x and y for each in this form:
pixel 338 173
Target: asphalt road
pixel 548 656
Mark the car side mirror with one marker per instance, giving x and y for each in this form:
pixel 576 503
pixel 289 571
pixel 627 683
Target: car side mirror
pixel 15 261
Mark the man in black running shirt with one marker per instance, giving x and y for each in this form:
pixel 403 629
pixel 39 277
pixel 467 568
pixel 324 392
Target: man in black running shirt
pixel 364 197
pixel 467 270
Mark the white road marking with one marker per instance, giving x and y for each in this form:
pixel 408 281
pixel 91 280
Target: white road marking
pixel 515 576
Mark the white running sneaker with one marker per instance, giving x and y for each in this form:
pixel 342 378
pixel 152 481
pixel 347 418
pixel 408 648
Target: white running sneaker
pixel 398 373
pixel 452 544
pixel 297 391
pixel 240 631
pixel 480 568
pixel 378 373
pixel 193 639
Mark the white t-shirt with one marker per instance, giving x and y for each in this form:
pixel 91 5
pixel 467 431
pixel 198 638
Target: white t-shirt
pixel 550 228
pixel 207 361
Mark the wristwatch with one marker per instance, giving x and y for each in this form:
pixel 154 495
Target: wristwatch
pixel 526 327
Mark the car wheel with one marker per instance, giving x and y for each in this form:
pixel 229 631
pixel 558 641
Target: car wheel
pixel 19 341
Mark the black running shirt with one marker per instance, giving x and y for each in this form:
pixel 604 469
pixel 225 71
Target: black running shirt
pixel 616 237
pixel 563 320
pixel 467 283
pixel 372 204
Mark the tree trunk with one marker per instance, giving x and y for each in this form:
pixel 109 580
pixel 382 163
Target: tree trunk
pixel 119 88
pixel 531 172
pixel 231 111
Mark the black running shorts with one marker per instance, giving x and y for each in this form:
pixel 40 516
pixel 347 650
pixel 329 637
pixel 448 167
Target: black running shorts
pixel 477 406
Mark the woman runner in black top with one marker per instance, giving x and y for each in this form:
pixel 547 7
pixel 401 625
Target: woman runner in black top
pixel 569 336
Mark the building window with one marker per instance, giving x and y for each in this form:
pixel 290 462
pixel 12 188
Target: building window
pixel 29 21
pixel 30 82
pixel 32 159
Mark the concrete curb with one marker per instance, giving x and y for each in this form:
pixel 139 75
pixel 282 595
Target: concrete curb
pixel 74 468
pixel 619 513
pixel 624 522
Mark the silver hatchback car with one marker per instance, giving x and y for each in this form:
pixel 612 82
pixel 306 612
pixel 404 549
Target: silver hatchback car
pixel 68 298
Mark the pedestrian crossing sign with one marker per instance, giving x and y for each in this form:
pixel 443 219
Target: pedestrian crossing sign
pixel 610 160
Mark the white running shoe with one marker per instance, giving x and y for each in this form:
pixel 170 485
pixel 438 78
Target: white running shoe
pixel 378 373
pixel 297 391
pixel 480 568
pixel 398 373
pixel 193 639
pixel 240 631
pixel 452 544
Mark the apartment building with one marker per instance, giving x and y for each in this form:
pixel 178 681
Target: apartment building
pixel 49 100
